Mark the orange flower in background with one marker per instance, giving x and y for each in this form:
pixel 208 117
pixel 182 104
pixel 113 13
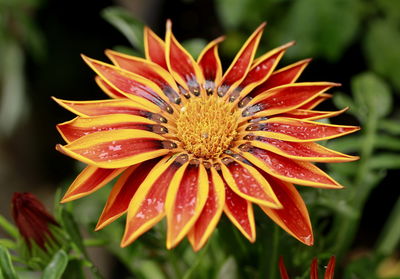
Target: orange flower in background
pixel 329 272
pixel 191 142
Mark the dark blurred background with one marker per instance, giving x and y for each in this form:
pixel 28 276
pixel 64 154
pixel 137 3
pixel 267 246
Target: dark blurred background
pixel 39 57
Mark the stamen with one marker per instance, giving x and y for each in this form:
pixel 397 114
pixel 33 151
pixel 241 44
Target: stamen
pixel 207 126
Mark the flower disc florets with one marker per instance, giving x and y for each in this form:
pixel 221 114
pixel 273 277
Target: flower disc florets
pixel 206 126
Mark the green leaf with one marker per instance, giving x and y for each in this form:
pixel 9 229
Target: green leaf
pixel 126 24
pixel 381 49
pixel 385 161
pixel 6 266
pixel 391 126
pixel 74 270
pixel 71 227
pixel 372 95
pixel 323 28
pixel 390 236
pixel 56 267
pixel 387 142
pixel 8 227
pixel 346 144
pixel 194 46
pixel 341 100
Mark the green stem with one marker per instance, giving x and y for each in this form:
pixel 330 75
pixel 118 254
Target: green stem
pixel 199 259
pixel 362 187
pixel 273 264
pixel 175 265
pixel 390 236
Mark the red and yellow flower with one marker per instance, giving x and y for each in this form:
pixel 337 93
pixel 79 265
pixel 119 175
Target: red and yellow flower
pixel 191 142
pixel 329 272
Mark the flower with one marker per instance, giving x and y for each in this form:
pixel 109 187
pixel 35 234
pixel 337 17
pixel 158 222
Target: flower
pixel 191 142
pixel 33 221
pixel 329 272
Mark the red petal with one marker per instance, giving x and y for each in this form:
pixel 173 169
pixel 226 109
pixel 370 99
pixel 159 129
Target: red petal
pixel 306 151
pixel 154 48
pixel 283 76
pixel 149 70
pixel 314 269
pixel 285 98
pixel 123 191
pixel 240 212
pixel 248 183
pixel 330 270
pixel 104 107
pixel 293 217
pixel 282 269
pixel 186 198
pixel 237 71
pixel 81 126
pixel 260 71
pixel 109 90
pixel 133 86
pixel 299 130
pixel 116 149
pixel 311 114
pixel 211 213
pixel 147 206
pixel 210 65
pixel 90 180
pixel 316 101
pixel 181 64
pixel 294 171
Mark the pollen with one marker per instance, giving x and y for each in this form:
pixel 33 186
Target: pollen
pixel 206 126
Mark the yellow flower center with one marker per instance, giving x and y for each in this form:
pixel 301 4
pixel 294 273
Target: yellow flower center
pixel 206 126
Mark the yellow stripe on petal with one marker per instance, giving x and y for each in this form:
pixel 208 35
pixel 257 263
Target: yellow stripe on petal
pixel 149 70
pixel 90 180
pixel 240 66
pixel 296 130
pixel 211 213
pixel 306 151
pixel 104 107
pixel 293 216
pixel 81 126
pixel 133 86
pixel 311 114
pixel 181 64
pixel 123 192
pixel 148 206
pixel 286 75
pixel 316 101
pixel 154 48
pixel 109 90
pixel 260 71
pixel 285 98
pixel 186 198
pixel 210 65
pixel 118 148
pixel 248 183
pixel 293 171
pixel 240 212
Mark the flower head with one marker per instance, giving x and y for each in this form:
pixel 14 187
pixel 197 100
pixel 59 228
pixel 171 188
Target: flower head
pixel 33 221
pixel 191 142
pixel 329 272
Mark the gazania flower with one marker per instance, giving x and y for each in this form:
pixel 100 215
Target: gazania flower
pixel 329 272
pixel 192 142
pixel 34 223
